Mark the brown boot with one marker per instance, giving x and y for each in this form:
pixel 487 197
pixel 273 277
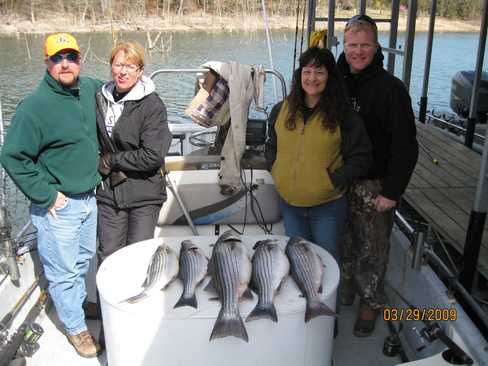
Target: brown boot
pixel 365 321
pixel 84 344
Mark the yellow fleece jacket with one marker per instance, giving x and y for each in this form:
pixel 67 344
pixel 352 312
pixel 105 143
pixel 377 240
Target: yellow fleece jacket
pixel 304 158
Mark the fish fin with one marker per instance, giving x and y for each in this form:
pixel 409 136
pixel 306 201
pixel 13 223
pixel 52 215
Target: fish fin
pixel 210 287
pixel 225 327
pixel 247 294
pixel 136 298
pixel 278 289
pixel 317 308
pixel 169 283
pixel 262 311
pixel 187 301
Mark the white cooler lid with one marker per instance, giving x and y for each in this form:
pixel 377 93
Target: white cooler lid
pixel 121 275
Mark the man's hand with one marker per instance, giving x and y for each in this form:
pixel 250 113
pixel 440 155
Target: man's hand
pixel 61 201
pixel 383 204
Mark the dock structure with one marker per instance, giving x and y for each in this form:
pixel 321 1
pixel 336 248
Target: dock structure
pixel 443 187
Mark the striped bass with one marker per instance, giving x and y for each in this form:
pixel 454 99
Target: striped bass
pixel 230 268
pixel 307 270
pixel 270 268
pixel 193 269
pixel 161 271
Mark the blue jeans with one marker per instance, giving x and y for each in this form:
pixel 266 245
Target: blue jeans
pixel 65 245
pixel 322 224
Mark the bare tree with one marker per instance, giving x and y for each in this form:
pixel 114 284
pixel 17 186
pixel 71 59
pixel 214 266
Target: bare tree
pixel 180 8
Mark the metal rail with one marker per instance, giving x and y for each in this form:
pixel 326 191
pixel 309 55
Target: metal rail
pixel 450 124
pixel 421 250
pixel 203 70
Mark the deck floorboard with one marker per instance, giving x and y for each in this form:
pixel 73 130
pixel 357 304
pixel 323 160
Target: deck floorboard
pixel 443 187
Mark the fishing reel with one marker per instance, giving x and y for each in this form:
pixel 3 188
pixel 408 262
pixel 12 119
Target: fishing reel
pixel 30 342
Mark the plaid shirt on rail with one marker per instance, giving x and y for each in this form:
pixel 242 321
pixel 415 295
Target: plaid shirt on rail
pixel 206 111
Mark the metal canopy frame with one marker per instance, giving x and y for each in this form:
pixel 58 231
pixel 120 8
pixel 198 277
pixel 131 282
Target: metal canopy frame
pixel 407 52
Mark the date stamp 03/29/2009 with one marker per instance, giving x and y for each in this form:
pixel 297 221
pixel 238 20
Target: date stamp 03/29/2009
pixel 419 314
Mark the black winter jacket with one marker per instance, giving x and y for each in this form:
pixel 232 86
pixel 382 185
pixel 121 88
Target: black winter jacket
pixel 355 148
pixel 139 143
pixel 385 105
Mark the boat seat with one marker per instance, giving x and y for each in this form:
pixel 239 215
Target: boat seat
pixel 200 194
pixel 189 162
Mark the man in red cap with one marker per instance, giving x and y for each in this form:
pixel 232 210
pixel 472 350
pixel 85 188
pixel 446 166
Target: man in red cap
pixel 51 153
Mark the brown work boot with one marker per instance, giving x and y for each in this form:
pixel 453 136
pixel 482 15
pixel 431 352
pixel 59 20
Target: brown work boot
pixel 84 344
pixel 365 322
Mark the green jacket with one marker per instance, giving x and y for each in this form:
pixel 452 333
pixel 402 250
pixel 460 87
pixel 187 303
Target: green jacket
pixel 51 144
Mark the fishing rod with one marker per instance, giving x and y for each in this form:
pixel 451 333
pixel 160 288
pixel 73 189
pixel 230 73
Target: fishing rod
pixel 7 320
pixel 27 332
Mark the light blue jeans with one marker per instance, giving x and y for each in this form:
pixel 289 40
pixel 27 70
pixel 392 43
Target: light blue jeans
pixel 65 245
pixel 322 224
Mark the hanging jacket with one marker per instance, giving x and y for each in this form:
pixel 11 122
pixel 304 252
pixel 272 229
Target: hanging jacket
pixel 385 106
pixel 139 142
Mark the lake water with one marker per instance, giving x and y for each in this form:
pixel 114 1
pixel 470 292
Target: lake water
pixel 19 74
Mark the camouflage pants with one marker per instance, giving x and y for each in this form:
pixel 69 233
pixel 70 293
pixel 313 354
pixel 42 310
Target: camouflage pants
pixel 366 243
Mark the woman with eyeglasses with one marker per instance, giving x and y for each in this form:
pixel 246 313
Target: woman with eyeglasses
pixel 317 146
pixel 134 138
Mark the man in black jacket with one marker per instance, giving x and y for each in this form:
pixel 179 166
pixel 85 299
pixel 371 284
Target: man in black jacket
pixel 385 105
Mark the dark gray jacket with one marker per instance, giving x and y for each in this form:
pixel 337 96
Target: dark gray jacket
pixel 139 142
pixel 384 104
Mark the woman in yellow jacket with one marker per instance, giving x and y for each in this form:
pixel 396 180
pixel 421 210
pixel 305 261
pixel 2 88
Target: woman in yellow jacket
pixel 317 146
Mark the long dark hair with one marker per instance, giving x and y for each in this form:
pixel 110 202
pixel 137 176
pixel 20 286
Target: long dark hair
pixel 332 103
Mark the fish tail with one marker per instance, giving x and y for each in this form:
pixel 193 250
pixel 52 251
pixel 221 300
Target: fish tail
pixel 263 311
pixel 226 326
pixel 136 298
pixel 186 301
pixel 317 308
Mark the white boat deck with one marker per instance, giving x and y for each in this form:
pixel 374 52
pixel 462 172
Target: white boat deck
pixel 55 349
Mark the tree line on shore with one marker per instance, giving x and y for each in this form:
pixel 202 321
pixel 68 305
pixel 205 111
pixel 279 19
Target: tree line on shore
pixel 103 10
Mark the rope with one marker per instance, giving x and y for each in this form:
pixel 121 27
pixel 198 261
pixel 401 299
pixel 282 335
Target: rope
pixel 268 43
pixel 296 37
pixel 303 28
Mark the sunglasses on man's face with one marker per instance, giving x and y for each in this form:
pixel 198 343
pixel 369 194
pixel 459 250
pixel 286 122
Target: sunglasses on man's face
pixel 360 17
pixel 59 57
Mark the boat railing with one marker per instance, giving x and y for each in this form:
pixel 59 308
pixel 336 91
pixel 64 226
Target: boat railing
pixel 191 135
pixel 7 246
pixel 432 117
pixel 197 71
pixel 422 251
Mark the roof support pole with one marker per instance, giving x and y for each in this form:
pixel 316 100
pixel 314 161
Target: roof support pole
pixel 468 141
pixel 478 214
pixel 428 57
pixel 395 9
pixel 409 42
pixel 331 41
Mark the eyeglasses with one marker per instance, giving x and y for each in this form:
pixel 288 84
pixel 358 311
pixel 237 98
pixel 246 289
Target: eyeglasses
pixel 360 17
pixel 129 67
pixel 59 57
